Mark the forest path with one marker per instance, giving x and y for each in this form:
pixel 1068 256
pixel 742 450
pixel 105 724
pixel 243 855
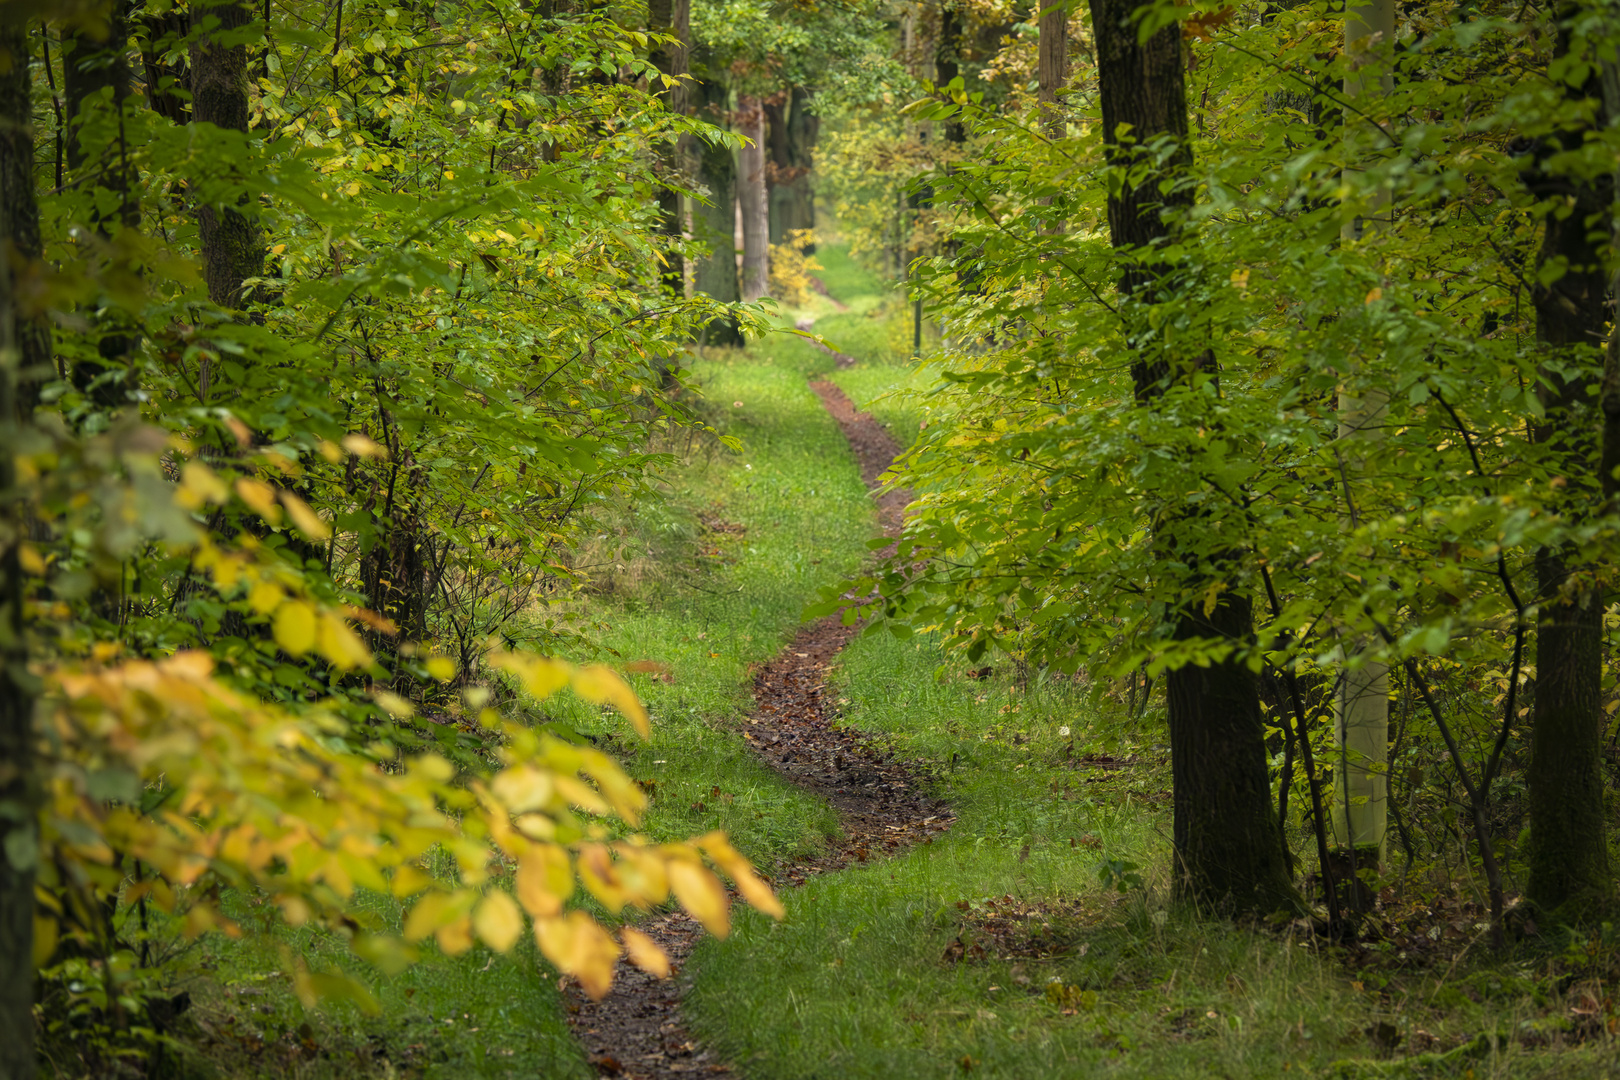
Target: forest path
pixel 636 1031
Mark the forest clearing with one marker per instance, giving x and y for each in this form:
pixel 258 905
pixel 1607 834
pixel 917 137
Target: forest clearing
pixel 769 538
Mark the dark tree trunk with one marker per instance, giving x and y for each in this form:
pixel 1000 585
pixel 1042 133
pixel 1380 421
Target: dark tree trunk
pixel 232 243
pixel 947 65
pixel 790 136
pixel 20 329
pixel 1229 852
pixel 163 80
pixel 716 221
pixel 20 245
pixel 96 84
pixel 1568 854
pixel 672 17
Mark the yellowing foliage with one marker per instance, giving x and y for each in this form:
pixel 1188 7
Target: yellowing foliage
pixel 163 763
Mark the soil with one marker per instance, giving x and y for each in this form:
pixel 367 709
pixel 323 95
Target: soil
pixel 636 1030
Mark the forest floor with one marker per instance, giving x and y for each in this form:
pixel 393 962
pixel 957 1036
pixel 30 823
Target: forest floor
pixel 1033 937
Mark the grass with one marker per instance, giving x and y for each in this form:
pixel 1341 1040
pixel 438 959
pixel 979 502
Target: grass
pixel 1034 938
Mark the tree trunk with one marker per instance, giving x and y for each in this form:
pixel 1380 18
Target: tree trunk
pixel 1229 852
pixel 19 220
pixel 96 82
pixel 1568 853
pixel 24 347
pixel 164 80
pixel 946 61
pixel 1361 708
pixel 232 243
pixel 673 17
pixel 752 198
pixel 1053 63
pixel 715 221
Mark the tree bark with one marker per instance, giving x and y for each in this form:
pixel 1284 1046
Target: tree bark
pixel 1052 63
pixel 20 244
pixel 1361 707
pixel 715 221
pixel 673 17
pixel 1229 851
pixel 24 347
pixel 232 242
pixel 1568 852
pixel 96 82
pixel 753 200
pixel 947 64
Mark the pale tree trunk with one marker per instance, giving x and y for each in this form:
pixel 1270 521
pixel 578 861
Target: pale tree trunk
pixel 24 351
pixel 1229 852
pixel 1361 707
pixel 714 222
pixel 752 199
pixel 1568 853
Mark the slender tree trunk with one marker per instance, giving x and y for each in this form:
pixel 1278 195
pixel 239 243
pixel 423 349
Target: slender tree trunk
pixel 1361 708
pixel 1568 855
pixel 164 80
pixel 753 200
pixel 1052 63
pixel 714 221
pixel 672 17
pixel 21 246
pixel 232 242
pixel 96 84
pixel 1229 852
pixel 24 348
pixel 947 65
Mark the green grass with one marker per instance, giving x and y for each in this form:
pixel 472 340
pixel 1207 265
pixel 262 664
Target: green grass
pixel 859 983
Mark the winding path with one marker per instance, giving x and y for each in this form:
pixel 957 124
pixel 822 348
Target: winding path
pixel 636 1031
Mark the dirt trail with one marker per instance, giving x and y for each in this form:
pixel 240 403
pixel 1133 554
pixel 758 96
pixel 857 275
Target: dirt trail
pixel 636 1031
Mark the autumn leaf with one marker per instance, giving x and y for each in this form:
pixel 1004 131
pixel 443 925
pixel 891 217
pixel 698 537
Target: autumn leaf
pixel 644 952
pixel 701 894
pixel 581 948
pixel 600 684
pixel 498 921
pixel 544 880
pixel 294 627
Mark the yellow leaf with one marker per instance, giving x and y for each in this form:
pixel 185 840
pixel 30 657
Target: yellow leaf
pixel 599 684
pixel 498 921
pixel 361 446
pixel 644 952
pixel 581 948
pixel 522 788
pixel 44 940
pixel 203 483
pixel 739 869
pixel 260 498
pixel 597 874
pixel 1375 295
pixel 393 704
pixel 308 522
pixel 442 668
pixel 339 644
pixel 701 894
pixel 540 677
pixel 425 916
pixel 544 880
pixel 408 881
pixel 455 937
pixel 294 627
pixel 264 596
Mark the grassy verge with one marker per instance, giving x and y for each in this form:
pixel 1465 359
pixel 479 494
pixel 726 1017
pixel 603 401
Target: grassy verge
pixel 1037 938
